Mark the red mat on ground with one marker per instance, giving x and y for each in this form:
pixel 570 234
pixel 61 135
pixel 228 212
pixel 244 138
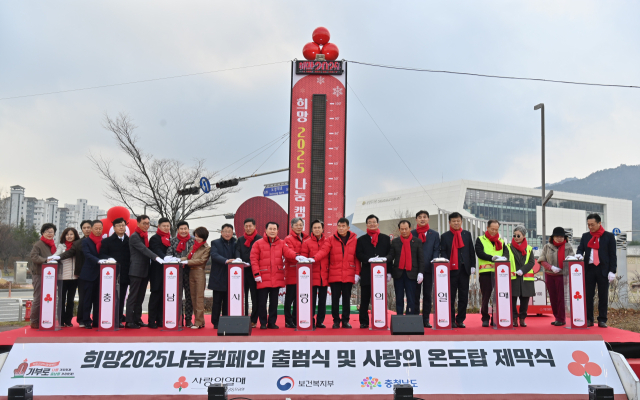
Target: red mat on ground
pixel 536 326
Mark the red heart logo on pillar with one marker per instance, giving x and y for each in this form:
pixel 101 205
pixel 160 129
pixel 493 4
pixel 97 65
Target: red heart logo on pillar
pixel 48 298
pixel 304 272
pixel 235 272
pixel 442 271
pixel 107 273
pixel 170 272
pixel 576 270
pixel 502 270
pixel 49 273
pixel 378 271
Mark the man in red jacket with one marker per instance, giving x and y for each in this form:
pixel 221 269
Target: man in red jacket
pixel 268 271
pixel 344 270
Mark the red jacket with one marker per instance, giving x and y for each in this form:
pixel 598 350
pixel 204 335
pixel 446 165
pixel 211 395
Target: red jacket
pixel 343 264
pixel 295 243
pixel 266 261
pixel 320 268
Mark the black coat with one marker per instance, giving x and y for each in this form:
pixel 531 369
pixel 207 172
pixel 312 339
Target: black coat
pixel 221 251
pixel 365 251
pixel 113 247
pixel 430 248
pixel 606 252
pixel 466 254
pixel 156 270
pixel 91 268
pixel 244 253
pixel 417 258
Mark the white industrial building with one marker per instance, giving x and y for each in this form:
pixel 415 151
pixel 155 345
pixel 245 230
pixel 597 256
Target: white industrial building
pixel 505 203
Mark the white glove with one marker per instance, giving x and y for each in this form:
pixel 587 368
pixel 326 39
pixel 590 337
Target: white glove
pixel 555 269
pixel 168 259
pixel 612 277
pixel 377 259
pixel 571 258
pixel 357 278
pixel 388 277
pixel 420 278
pixel 236 261
pixel 112 260
pixel 301 259
pixel 495 258
pixel 473 270
pixel 258 279
pixel 579 257
pixel 519 272
pixel 499 258
pixel 311 260
pixel 103 261
pixel 159 260
pixel 53 258
pixel 184 262
pixel 439 259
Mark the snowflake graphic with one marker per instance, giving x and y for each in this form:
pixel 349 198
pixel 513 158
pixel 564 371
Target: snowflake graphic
pixel 320 80
pixel 337 91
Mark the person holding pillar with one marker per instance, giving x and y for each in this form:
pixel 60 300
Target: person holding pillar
pixel 243 252
pixel 180 246
pixel 522 262
pixel 223 251
pixel 90 275
pixel 319 272
pixel 598 247
pixel 456 245
pixel 159 244
pixel 295 240
pixel 430 249
pixel 196 260
pixel 116 246
pixel 42 252
pixel 69 280
pixel 373 244
pixel 489 247
pixel 552 259
pixel 407 267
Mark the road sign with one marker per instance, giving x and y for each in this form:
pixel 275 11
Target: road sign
pixel 616 231
pixel 205 185
pixel 535 248
pixel 275 190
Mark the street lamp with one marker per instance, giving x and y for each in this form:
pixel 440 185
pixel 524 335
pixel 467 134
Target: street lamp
pixel 544 198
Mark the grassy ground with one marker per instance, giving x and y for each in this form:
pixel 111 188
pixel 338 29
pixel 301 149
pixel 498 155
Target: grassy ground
pixel 624 319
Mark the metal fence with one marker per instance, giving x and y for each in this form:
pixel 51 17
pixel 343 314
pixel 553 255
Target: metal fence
pixel 11 310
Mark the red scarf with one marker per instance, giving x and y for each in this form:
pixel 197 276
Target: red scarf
pixel 248 239
pixel 405 255
pixel 494 239
pixel 97 240
pixel 182 243
pixel 68 244
pixel 374 237
pixel 455 246
pixel 166 237
pixel 422 232
pixel 195 248
pixel 560 252
pixel 594 243
pixel 522 247
pixel 50 243
pixel 144 235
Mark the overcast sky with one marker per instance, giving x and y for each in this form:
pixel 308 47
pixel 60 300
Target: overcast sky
pixel 446 126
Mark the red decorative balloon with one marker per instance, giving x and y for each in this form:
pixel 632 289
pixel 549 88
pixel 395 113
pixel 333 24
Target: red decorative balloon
pixel 310 50
pixel 118 212
pixel 321 35
pixel 106 227
pixel 131 226
pixel 330 51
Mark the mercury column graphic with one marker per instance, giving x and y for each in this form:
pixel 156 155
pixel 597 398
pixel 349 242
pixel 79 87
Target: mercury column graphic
pixel 318 141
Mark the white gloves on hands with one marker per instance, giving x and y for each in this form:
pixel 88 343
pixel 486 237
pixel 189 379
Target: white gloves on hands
pixel 440 259
pixel 473 270
pixel 184 262
pixel 555 269
pixel 357 278
pixel 53 258
pixel 377 259
pixel 111 260
pixel 168 259
pixel 579 257
pixel 571 258
pixel 612 277
pixel 103 261
pixel 519 272
pixel 499 258
pixel 388 277
pixel 420 278
pixel 258 279
pixel 159 260
pixel 301 259
pixel 311 260
pixel 495 258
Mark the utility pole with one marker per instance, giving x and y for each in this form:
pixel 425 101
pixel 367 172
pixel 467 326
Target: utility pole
pixel 544 198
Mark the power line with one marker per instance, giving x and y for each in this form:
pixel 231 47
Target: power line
pixel 259 148
pixel 390 144
pixel 251 159
pixel 489 76
pixel 283 142
pixel 143 81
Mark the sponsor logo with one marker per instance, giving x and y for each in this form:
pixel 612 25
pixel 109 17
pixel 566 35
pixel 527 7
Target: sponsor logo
pixel 169 322
pixel 578 320
pixel 378 321
pixel 504 320
pixel 370 382
pixel 285 383
pixel 107 273
pixel 235 272
pixel 106 322
pixel 181 384
pixel 48 298
pixel 378 271
pixel 442 320
pixel 582 367
pixel 577 296
pixel 41 369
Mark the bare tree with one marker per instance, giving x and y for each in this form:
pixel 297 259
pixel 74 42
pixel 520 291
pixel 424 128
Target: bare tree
pixel 153 183
pixel 400 215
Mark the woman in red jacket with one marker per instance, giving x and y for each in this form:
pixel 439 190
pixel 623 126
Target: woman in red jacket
pixel 268 271
pixel 320 271
pixel 344 270
pixel 294 241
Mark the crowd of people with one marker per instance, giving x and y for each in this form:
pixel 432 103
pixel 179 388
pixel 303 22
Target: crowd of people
pixel 339 261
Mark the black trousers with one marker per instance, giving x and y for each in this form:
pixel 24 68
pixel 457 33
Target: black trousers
pixel 486 287
pixel 80 311
pixel 91 293
pixel 122 293
pixel 186 300
pixel 250 288
pixel 137 289
pixel 459 287
pixel 68 298
pixel 290 299
pixel 593 277
pixel 272 295
pixel 341 290
pixel 524 306
pixel 156 306
pixel 427 289
pixel 220 303
pixel 365 301
pixel 321 292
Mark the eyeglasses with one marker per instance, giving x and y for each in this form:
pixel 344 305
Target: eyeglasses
pixel 517 236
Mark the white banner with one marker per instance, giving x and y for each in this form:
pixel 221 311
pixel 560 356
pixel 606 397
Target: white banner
pixel 48 297
pixel 304 297
pixel 299 368
pixel 108 303
pixel 442 314
pixel 236 290
pixel 576 279
pixel 379 295
pixel 171 296
pixel 503 295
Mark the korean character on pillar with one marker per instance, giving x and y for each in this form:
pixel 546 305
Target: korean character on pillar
pixel 300 189
pixel 300 212
pixel 302 116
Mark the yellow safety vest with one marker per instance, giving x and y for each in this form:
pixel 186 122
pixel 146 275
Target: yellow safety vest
pixel 488 266
pixel 529 275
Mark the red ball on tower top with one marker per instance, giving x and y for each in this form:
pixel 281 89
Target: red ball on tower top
pixel 321 35
pixel 330 51
pixel 310 50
